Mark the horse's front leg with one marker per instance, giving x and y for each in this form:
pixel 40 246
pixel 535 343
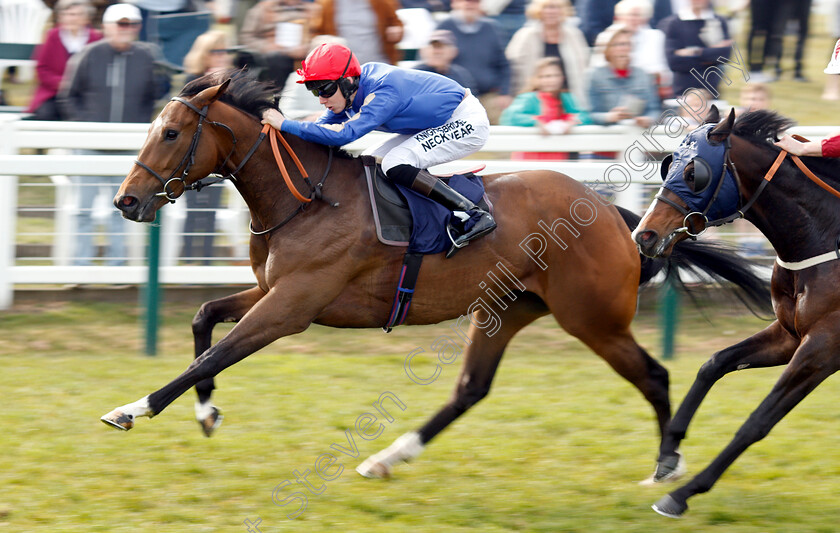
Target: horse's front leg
pixel 812 363
pixel 228 309
pixel 772 346
pixel 284 310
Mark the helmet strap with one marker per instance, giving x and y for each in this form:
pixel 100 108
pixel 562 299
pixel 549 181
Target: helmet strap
pixel 347 86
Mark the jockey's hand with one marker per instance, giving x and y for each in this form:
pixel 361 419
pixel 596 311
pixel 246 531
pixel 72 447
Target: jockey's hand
pixel 794 147
pixel 273 117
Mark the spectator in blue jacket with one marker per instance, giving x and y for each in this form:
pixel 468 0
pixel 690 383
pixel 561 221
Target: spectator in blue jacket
pixel 435 121
pixel 619 92
pixel 482 52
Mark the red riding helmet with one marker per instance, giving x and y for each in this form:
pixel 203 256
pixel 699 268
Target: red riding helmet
pixel 329 61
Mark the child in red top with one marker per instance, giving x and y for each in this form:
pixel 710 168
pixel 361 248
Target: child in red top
pixel 545 105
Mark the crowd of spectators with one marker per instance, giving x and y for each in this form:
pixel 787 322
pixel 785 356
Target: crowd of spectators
pixel 553 64
pixel 492 47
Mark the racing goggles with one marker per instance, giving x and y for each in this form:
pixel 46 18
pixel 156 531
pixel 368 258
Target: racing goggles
pixel 322 88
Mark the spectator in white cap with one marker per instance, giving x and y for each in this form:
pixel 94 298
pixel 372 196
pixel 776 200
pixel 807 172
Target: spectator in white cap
pixel 827 146
pixel 437 57
pixel 116 79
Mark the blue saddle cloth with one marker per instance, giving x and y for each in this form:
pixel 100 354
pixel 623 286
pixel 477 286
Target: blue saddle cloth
pixel 405 218
pixel 428 233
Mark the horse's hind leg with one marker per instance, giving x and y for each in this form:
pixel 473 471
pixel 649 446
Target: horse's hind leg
pixel 481 359
pixel 621 351
pixel 772 346
pixel 228 309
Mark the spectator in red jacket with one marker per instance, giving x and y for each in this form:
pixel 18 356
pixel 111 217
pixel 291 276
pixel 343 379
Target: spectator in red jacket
pixel 69 36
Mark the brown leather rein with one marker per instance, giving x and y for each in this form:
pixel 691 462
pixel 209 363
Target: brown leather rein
pixel 805 170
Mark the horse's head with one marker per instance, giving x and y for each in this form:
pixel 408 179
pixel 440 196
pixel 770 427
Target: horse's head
pixel 698 188
pixel 174 156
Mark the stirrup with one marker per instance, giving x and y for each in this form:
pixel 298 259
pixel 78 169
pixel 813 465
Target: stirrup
pixel 455 245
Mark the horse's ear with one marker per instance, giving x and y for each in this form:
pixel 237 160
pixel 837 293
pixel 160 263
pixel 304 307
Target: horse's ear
pixel 713 116
pixel 211 94
pixel 720 132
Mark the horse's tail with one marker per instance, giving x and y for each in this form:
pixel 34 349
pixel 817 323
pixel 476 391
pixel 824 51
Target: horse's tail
pixel 708 259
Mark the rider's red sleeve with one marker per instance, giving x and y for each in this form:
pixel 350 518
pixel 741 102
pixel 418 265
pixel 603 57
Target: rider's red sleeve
pixel 831 146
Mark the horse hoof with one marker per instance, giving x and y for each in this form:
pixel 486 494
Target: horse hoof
pixel 118 419
pixel 211 422
pixel 373 469
pixel 667 470
pixel 668 506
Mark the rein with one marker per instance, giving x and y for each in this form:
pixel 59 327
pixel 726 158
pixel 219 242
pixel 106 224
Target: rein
pixel 315 191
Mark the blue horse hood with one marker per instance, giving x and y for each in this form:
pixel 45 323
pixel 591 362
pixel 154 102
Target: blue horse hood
pixel 697 146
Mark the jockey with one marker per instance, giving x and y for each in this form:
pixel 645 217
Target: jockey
pixel 435 119
pixel 826 147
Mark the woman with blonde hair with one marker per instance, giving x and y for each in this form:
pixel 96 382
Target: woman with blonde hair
pixel 209 53
pixel 549 33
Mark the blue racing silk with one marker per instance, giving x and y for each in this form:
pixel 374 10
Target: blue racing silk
pixel 389 99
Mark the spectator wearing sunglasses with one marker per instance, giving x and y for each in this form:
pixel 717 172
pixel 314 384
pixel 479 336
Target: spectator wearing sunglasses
pixel 434 118
pixel 115 79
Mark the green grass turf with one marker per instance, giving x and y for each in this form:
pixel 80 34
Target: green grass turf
pixel 559 444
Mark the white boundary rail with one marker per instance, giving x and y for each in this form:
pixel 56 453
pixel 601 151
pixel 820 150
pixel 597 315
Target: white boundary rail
pixel 16 135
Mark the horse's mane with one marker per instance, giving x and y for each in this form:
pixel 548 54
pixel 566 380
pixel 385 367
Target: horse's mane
pixel 763 126
pixel 245 93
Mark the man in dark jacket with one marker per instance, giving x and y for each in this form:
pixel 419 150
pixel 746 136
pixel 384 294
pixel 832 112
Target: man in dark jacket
pixel 116 79
pixel 694 40
pixel 482 53
pixel 437 57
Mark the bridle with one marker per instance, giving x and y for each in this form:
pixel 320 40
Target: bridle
pixel 315 191
pixel 686 228
pixel 189 157
pixel 740 213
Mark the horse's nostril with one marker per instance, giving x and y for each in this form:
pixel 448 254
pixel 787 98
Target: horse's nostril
pixel 126 202
pixel 646 237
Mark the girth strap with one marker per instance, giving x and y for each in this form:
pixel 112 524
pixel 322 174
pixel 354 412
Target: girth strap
pixel 405 290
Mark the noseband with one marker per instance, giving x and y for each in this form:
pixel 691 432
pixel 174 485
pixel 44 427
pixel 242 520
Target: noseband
pixel 189 158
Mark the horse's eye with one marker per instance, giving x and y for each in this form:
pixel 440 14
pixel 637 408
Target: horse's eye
pixel 170 135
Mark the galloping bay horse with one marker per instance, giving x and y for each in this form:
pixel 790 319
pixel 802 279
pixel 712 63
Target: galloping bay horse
pixel 563 251
pixel 723 171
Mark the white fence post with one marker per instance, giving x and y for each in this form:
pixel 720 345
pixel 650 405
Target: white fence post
pixel 8 216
